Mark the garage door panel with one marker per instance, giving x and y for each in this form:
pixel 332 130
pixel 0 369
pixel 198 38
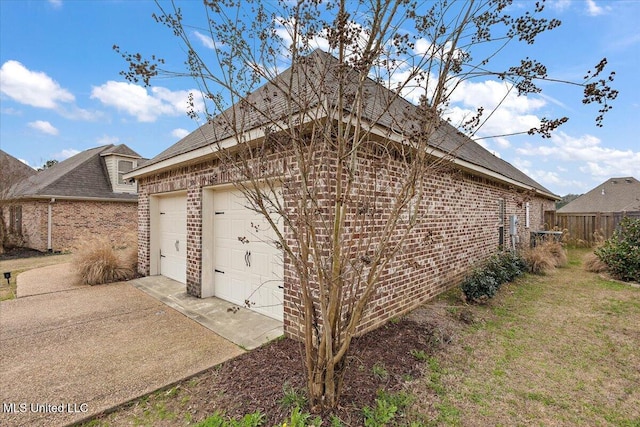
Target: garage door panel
pixel 172 235
pixel 238 231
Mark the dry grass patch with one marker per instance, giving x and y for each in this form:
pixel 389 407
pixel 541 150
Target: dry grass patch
pixel 539 261
pixel 594 264
pixel 98 260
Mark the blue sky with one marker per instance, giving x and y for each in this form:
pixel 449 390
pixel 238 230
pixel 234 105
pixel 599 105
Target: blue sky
pixel 61 92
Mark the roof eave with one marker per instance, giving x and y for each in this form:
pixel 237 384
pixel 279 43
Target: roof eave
pixel 258 132
pixel 72 198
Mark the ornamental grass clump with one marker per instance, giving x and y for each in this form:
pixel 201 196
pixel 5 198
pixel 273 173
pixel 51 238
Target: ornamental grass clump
pixel 558 252
pixel 594 264
pixel 98 260
pixel 539 260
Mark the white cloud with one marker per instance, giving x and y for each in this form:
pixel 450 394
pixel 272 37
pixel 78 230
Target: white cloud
pixel 55 3
pixel 106 140
pixel 180 133
pixel 44 127
pixel 207 41
pixel 65 154
pixel 504 112
pixel 144 105
pixel 11 111
pixel 587 149
pixel 594 10
pixel 560 5
pixel 32 88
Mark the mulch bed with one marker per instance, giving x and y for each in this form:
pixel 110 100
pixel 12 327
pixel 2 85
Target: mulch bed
pixel 15 253
pixel 256 380
pixel 259 380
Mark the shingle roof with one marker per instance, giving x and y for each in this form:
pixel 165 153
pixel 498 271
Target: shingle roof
pixel 313 83
pixel 613 195
pixel 81 176
pixel 12 171
pixel 120 149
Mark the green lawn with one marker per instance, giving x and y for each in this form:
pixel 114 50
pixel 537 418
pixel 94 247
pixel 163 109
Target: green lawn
pixel 560 349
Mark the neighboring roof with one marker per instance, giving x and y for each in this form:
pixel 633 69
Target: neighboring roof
pixel 613 195
pixel 121 150
pixel 314 83
pixel 12 170
pixel 83 176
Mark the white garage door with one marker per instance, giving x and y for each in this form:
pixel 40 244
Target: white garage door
pixel 248 265
pixel 172 233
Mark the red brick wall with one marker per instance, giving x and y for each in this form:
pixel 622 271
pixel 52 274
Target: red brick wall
pixel 460 230
pixel 74 220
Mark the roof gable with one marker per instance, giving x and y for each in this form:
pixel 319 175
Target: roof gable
pixel 12 171
pixel 81 176
pixel 313 82
pixel 121 150
pixel 613 195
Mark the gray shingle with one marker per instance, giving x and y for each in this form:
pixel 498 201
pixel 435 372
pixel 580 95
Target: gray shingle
pixel 81 176
pixel 314 82
pixel 12 171
pixel 613 195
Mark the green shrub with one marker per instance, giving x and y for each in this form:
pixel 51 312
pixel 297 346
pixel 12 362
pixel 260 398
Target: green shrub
pixel 621 252
pixel 484 282
pixel 479 286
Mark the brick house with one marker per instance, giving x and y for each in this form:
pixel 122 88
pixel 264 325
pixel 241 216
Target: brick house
pixel 12 171
pixel 613 195
pixel 83 195
pixel 190 216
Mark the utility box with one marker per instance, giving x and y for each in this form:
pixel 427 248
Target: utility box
pixel 513 225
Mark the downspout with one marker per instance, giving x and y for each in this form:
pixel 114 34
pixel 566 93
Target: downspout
pixel 49 216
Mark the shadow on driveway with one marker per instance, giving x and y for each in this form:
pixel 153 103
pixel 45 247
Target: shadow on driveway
pixel 75 352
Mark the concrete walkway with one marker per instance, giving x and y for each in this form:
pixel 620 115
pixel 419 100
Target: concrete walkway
pixel 68 352
pixel 49 279
pixel 239 325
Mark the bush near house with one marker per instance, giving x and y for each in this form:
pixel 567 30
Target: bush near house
pixel 484 282
pixel 621 252
pixel 98 260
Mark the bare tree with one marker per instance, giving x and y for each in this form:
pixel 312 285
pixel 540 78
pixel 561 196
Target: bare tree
pixel 12 171
pixel 333 130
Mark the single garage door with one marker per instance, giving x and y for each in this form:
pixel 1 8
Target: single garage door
pixel 172 234
pixel 248 265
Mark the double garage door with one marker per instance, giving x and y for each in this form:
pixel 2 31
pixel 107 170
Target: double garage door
pixel 241 263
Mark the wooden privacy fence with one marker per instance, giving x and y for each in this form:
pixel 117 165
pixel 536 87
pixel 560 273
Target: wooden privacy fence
pixel 583 226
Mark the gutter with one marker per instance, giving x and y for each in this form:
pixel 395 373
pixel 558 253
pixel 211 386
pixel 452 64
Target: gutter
pixel 200 153
pixel 74 198
pixel 49 223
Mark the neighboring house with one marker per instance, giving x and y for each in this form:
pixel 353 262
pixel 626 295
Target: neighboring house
pixel 613 195
pixel 12 171
pixel 190 217
pixel 595 215
pixel 84 195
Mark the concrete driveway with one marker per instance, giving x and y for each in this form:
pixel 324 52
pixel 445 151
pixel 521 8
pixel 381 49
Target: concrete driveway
pixel 70 351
